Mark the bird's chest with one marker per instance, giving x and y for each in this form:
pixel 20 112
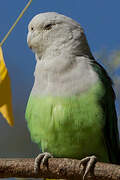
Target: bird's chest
pixel 65 122
pixel 63 80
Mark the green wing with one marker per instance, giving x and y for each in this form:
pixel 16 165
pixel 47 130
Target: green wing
pixel 108 103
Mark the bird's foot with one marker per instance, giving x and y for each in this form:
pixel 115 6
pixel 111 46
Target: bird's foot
pixel 88 163
pixel 41 159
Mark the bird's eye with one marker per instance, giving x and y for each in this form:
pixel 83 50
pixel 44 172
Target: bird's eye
pixel 48 26
pixel 32 28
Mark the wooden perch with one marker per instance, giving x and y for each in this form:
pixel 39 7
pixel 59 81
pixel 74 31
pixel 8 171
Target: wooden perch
pixel 58 168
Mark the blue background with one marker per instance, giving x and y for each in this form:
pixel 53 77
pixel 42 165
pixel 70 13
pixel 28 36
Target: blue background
pixel 101 21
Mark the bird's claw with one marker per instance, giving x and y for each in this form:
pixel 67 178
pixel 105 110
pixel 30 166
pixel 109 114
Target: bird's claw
pixel 41 159
pixel 89 162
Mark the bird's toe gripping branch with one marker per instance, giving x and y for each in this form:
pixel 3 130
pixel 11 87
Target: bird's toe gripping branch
pixel 41 159
pixel 88 163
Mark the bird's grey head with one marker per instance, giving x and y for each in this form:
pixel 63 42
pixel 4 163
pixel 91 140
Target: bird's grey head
pixel 54 32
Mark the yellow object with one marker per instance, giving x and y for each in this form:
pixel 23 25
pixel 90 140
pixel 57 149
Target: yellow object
pixel 5 89
pixel 5 92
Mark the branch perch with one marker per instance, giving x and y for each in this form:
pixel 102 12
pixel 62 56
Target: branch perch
pixel 58 168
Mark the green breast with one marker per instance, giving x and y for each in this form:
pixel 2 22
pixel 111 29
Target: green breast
pixel 69 126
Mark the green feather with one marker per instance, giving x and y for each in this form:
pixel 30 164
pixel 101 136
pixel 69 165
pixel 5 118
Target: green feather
pixel 69 126
pixel 107 102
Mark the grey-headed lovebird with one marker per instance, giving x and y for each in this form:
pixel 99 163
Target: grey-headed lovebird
pixel 71 109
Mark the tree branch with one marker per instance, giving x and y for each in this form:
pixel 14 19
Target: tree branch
pixel 58 168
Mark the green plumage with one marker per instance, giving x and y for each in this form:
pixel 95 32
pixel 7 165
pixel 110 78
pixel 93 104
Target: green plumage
pixel 66 126
pixel 76 126
pixel 71 110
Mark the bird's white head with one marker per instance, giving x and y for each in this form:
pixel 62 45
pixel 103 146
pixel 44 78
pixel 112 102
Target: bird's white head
pixel 52 32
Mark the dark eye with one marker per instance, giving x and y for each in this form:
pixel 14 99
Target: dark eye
pixel 48 26
pixel 32 28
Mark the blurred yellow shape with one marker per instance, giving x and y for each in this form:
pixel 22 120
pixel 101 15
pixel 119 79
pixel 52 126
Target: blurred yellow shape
pixel 5 88
pixel 5 92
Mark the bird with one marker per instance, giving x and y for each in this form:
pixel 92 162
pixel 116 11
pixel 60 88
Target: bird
pixel 71 109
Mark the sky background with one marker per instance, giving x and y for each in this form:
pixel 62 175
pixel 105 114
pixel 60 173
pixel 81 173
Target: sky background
pixel 101 22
